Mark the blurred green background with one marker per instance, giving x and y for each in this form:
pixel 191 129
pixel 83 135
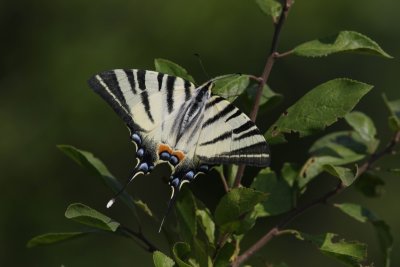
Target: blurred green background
pixel 49 50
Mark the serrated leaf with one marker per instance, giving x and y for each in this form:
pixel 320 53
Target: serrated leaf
pixel 318 109
pixel 168 67
pixel 394 109
pixel 97 167
pixel 382 230
pixel 162 260
pixel 52 238
pixel 344 41
pixel 370 185
pixel 231 86
pixel 362 124
pixel 270 7
pixel 234 206
pixel 344 174
pixel 224 255
pixel 349 253
pixel 279 193
pixel 90 217
pixel 181 253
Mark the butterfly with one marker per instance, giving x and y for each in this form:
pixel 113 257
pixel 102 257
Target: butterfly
pixel 171 120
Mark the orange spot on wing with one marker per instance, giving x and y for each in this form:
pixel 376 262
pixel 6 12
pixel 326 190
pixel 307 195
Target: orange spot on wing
pixel 164 147
pixel 179 154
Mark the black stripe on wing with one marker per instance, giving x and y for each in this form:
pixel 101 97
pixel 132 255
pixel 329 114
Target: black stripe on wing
pixel 170 92
pixel 106 92
pixel 225 111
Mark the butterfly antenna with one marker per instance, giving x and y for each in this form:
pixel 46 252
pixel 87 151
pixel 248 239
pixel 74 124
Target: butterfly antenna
pixel 174 195
pixel 202 66
pixel 132 176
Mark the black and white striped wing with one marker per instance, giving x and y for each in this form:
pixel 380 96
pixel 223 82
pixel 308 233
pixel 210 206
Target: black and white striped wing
pixel 228 136
pixel 143 99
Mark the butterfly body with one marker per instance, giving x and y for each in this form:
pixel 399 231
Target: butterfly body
pixel 172 120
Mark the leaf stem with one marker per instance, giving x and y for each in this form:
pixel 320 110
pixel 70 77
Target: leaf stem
pixel 321 200
pixel 140 236
pixel 273 54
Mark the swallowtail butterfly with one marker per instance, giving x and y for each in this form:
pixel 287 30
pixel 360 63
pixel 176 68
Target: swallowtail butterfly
pixel 172 120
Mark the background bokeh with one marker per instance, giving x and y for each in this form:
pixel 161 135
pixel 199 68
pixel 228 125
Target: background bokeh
pixel 49 50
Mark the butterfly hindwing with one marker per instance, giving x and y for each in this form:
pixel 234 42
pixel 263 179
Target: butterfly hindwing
pixel 228 136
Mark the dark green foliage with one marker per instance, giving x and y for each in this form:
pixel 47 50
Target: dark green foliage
pixel 204 237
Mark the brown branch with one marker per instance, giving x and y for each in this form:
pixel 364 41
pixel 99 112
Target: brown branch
pixel 321 200
pixel 273 54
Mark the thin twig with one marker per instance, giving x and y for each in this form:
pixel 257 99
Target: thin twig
pixel 321 200
pixel 265 75
pixel 140 236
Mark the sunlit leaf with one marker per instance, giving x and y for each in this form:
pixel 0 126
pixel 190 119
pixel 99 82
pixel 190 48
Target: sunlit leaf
pixel 52 238
pixel 349 253
pixel 270 7
pixel 186 212
pixel 344 174
pixel 318 109
pixel 357 212
pixel 207 224
pixel 168 67
pixel 279 193
pixel 344 41
pixel 362 124
pixel 234 206
pixel 290 173
pixel 88 216
pixel 231 86
pixel 162 260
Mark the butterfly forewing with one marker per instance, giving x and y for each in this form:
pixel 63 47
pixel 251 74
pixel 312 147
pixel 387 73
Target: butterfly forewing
pixel 228 136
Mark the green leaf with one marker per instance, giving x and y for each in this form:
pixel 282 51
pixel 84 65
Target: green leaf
pixel 52 238
pixel 85 159
pixel 395 171
pixel 290 173
pixel 270 7
pixel 168 67
pixel 370 185
pixel 349 253
pixel 162 260
pixel 344 41
pixel 231 86
pixel 224 255
pixel 279 193
pixel 207 224
pixel 318 109
pixel 362 124
pixel 269 99
pixel 394 109
pixel 181 253
pixel 234 206
pixel 315 165
pixel 93 164
pixel 344 174
pixel 88 216
pixel 382 230
pixel 186 212
pixel 357 212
